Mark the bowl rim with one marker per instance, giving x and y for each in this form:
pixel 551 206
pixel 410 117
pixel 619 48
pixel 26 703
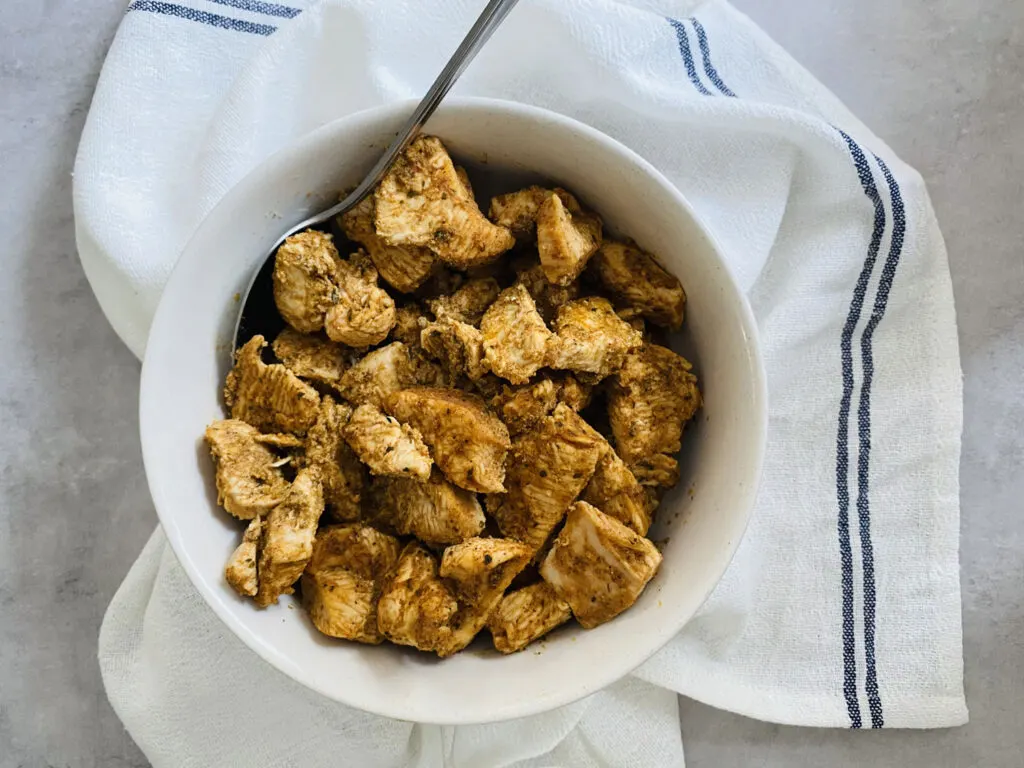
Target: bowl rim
pixel 515 707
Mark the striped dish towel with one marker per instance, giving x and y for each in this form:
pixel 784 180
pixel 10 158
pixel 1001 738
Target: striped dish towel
pixel 842 607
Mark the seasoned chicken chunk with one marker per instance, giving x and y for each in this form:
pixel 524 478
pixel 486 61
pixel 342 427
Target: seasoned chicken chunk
pixel 249 478
pixel 422 202
pixel 659 470
pixel 598 565
pixel 635 278
pixel 565 239
pixel 436 511
pixel 549 467
pixel 386 370
pixel 305 280
pixel 270 397
pixel 652 396
pixel 573 392
pixel 468 303
pixel 364 313
pixel 518 210
pixel 341 583
pixel 482 568
pixel 287 537
pixel 386 446
pixel 515 337
pixel 546 295
pixel 614 490
pixel 522 408
pixel 458 346
pixel 469 442
pixel 467 186
pixel 635 318
pixel 526 615
pixel 240 571
pixel 310 357
pixel 416 607
pixel 410 321
pixel 343 475
pixel 479 571
pixel 591 338
pixel 404 268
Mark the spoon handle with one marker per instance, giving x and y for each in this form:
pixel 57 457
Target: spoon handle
pixel 488 21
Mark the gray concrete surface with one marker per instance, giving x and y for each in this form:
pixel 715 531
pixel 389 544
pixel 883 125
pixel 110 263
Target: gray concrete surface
pixel 940 80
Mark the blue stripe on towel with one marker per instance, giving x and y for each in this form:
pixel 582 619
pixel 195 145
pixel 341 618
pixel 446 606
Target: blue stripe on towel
pixel 191 14
pixel 684 50
pixel 258 6
pixel 842 438
pixel 705 52
pixel 899 228
pixel 867 181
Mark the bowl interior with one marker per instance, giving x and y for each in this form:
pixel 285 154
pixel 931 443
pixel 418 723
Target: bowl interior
pixel 699 523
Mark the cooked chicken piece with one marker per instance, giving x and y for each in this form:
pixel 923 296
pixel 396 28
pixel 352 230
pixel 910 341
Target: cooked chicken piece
pixel 340 586
pixel 573 392
pixel 479 571
pixel 548 296
pixel 404 268
pixel 386 370
pixel 659 470
pixel 615 491
pixel 310 357
pixel 635 318
pixel 526 615
pixel 422 202
pixel 515 336
pixel 565 239
pixel 469 442
pixel 410 321
pixel 364 313
pixel 480 567
pixel 591 338
pixel 287 537
pixel 549 467
pixel 416 608
pixel 458 346
pixel 635 278
pixel 652 396
pixel 249 478
pixel 523 408
pixel 518 210
pixel 305 280
pixel 467 185
pixel 468 303
pixel 343 475
pixel 280 442
pixel 240 571
pixel 598 565
pixel 270 397
pixel 435 512
pixel 386 446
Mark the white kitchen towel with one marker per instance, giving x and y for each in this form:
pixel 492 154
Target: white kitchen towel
pixel 842 607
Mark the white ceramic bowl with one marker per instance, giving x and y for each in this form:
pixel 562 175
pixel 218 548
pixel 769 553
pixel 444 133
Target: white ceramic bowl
pixel 702 519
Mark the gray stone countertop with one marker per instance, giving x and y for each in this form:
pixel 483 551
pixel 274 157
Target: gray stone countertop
pixel 942 81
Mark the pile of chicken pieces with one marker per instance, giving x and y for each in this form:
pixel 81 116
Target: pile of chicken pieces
pixel 415 457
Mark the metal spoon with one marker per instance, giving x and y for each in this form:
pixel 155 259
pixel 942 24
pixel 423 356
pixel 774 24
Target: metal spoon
pixel 489 20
